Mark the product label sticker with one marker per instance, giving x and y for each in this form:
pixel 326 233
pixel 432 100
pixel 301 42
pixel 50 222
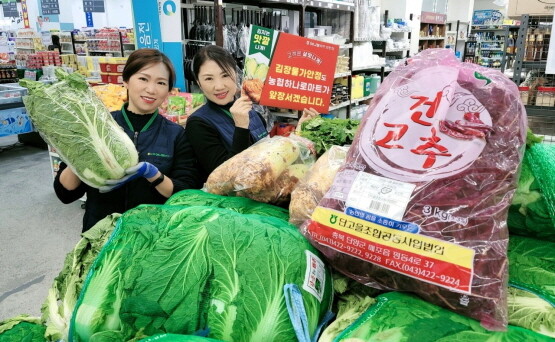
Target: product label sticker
pixel 315 276
pixel 421 257
pixel 383 221
pixel 379 195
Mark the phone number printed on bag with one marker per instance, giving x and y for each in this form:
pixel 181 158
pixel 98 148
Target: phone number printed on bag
pixel 431 260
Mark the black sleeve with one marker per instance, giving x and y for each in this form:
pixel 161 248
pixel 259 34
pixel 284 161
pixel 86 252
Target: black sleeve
pixel 185 172
pixel 208 146
pixel 65 195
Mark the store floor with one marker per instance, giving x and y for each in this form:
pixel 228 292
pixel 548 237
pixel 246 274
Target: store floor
pixel 36 229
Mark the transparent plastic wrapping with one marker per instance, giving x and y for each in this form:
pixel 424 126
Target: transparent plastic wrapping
pixel 311 189
pixel 421 203
pixel 265 172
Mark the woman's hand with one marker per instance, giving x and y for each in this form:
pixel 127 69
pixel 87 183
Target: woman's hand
pixel 240 111
pixel 308 113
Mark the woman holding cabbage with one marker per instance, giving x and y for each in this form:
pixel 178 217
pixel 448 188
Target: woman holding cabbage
pixel 166 161
pixel 227 124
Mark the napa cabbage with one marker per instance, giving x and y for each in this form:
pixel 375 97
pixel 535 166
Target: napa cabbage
pixel 22 328
pixel 401 317
pixel 58 307
pixel 532 274
pixel 176 269
pixel 74 121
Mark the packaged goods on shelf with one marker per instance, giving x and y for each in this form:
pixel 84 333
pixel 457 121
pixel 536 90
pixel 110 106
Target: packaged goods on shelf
pixel 178 106
pixel 8 74
pixel 367 21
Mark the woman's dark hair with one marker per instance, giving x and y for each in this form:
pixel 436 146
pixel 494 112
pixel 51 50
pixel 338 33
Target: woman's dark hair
pixel 214 53
pixel 144 57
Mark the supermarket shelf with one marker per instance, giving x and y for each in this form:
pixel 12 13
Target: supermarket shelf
pixel 103 39
pixel 68 51
pixel 534 64
pixel 486 49
pixel 355 101
pixel 532 110
pixel 27 37
pixel 185 41
pixel 80 41
pixel 487 28
pixel 332 5
pixel 341 105
pixel 66 43
pixel 106 51
pixel 491 41
pixel 368 40
pixel 392 50
pixel 286 115
pixel 432 38
pixel 369 67
pixel 342 74
pixel 346 46
pixel 24 48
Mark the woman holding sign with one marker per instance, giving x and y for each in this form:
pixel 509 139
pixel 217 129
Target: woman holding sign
pixel 227 124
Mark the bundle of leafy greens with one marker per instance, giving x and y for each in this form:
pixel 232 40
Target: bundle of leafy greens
pixel 400 317
pixel 326 133
pixel 532 270
pixel 78 125
pixel 532 212
pixel 174 269
pixel 62 296
pixel 22 328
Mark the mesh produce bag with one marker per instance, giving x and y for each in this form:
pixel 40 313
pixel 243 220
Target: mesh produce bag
pixel 241 205
pixel 421 203
pixel 532 280
pixel 532 212
pixel 401 317
pixel 181 270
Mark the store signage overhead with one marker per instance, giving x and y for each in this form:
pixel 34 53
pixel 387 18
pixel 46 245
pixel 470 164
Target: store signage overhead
pixel 93 6
pixel 433 18
pixel 50 7
pixel 10 9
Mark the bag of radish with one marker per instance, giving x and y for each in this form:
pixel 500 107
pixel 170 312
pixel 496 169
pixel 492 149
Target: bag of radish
pixel 421 202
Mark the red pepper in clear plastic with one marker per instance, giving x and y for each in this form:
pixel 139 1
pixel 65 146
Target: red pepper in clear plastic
pixel 421 202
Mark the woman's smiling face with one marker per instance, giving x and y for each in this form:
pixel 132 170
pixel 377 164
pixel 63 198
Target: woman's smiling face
pixel 217 85
pixel 148 88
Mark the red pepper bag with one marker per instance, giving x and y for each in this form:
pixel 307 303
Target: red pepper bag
pixel 421 202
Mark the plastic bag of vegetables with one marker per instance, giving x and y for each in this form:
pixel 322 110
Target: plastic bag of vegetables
pixel 421 202
pixel 72 119
pixel 315 184
pixel 265 172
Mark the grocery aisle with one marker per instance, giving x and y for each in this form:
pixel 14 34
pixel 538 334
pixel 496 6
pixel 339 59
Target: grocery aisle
pixel 36 230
